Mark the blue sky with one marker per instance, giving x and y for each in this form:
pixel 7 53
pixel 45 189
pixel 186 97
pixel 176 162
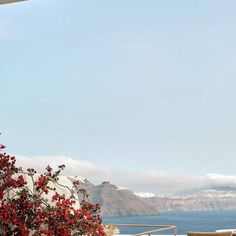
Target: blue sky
pixel 133 84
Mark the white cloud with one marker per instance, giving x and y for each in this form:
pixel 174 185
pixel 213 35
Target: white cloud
pixel 73 167
pixel 137 181
pixel 221 180
pixel 151 181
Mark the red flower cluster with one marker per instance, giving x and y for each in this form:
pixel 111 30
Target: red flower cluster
pixel 24 211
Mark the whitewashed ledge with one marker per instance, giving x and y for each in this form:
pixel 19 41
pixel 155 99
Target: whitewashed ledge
pixel 148 234
pixel 222 230
pixel 113 229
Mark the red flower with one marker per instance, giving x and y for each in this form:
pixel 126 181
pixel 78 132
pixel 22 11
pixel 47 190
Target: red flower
pixel 24 211
pixel 2 146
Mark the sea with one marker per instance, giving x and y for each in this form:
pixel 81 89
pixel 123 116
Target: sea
pixel 185 221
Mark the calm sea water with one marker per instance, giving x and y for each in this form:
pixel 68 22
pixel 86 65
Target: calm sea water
pixel 185 221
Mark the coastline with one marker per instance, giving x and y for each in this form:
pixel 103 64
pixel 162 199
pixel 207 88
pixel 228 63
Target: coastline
pixel 208 221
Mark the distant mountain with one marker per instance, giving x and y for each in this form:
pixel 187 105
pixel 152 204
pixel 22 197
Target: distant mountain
pixel 204 200
pixel 117 201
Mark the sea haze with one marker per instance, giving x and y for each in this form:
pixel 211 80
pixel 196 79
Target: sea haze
pixel 185 221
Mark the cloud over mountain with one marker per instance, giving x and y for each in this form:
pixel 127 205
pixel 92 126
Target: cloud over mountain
pixel 219 180
pixel 148 181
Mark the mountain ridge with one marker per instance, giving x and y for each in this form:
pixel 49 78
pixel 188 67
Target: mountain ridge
pixel 117 201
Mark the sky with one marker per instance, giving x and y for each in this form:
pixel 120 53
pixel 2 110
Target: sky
pixel 138 92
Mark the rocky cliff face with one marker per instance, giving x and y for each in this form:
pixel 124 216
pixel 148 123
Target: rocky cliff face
pixel 205 200
pixel 122 202
pixel 116 201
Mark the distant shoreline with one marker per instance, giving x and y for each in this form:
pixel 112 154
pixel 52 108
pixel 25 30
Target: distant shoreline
pixel 185 221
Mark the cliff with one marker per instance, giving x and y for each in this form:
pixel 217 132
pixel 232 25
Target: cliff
pixel 204 200
pixel 116 201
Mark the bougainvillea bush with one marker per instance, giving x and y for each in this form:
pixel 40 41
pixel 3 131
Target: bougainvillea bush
pixel 26 211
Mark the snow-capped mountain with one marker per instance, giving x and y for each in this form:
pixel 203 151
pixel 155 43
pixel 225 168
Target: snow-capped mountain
pixel 145 195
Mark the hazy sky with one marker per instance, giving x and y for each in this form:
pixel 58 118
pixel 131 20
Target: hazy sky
pixel 133 85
